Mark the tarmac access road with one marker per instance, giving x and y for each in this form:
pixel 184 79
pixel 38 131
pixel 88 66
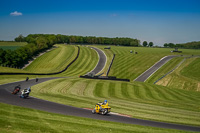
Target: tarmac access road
pixel 39 104
pixel 144 76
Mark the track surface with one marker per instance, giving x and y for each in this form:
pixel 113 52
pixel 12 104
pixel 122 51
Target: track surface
pixel 34 103
pixel 144 76
pixel 102 61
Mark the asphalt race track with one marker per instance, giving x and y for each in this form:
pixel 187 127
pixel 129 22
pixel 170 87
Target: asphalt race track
pixel 102 61
pixel 144 76
pixel 35 103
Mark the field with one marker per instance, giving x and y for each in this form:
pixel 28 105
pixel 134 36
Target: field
pixel 192 69
pixel 169 66
pixel 174 99
pixel 86 62
pixel 13 120
pixel 57 59
pixel 11 45
pixel 53 61
pixel 130 66
pixel 186 76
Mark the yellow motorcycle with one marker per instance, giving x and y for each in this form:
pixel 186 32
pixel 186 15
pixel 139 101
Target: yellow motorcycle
pixel 101 108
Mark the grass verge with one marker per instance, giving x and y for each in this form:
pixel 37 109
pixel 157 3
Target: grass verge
pixel 18 119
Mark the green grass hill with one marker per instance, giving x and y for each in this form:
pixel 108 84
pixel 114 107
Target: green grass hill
pixel 174 99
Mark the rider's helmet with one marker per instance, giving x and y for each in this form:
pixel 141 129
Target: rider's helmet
pixel 105 101
pixel 29 88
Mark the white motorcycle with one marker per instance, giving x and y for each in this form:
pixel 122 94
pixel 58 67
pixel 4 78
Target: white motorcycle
pixel 25 93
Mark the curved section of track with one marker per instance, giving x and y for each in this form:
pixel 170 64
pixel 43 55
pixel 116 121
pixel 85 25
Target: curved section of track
pixel 144 76
pixel 35 103
pixel 102 61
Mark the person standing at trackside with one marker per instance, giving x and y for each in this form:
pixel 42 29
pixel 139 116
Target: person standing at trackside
pixel 27 78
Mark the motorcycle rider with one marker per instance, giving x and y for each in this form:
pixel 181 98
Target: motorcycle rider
pixel 104 103
pixel 26 91
pixel 17 87
pixel 29 90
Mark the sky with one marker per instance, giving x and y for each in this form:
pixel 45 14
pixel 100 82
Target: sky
pixel 159 21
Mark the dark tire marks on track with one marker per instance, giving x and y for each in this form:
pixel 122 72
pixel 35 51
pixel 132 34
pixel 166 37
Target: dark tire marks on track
pixel 39 104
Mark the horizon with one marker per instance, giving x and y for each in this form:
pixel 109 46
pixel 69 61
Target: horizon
pixel 152 21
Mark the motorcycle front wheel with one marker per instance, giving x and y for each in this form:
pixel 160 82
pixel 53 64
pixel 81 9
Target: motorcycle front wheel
pixel 104 112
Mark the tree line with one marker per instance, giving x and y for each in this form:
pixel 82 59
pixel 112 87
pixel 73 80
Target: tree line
pixel 20 56
pixel 40 42
pixel 189 45
pixel 81 39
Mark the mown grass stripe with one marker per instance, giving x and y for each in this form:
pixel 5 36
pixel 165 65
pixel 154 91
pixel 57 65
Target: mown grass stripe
pixel 124 90
pixel 162 93
pixel 98 90
pixel 85 63
pixel 111 90
pixel 137 93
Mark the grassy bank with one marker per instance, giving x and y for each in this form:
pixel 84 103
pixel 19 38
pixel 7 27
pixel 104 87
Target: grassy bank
pixel 85 63
pixel 184 77
pixel 23 120
pixel 130 65
pixel 57 59
pixel 53 61
pixel 140 100
pixel 166 68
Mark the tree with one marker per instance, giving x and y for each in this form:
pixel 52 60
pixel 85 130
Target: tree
pixel 41 43
pixel 145 43
pixel 166 45
pixel 2 55
pixel 171 45
pixel 150 44
pixel 20 38
pixel 135 43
